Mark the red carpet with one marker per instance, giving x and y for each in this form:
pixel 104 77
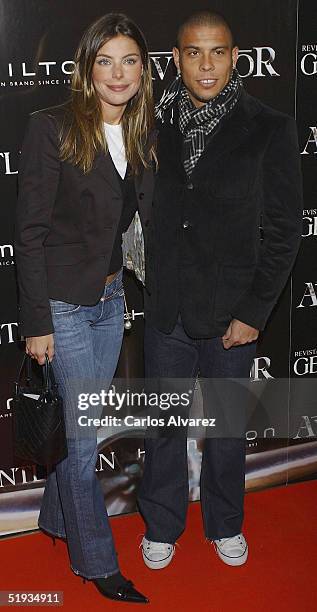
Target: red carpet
pixel 280 574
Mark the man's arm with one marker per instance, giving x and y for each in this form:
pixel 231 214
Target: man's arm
pixel 282 227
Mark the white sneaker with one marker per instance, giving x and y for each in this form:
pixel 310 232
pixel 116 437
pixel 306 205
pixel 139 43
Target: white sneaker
pixel 157 555
pixel 232 551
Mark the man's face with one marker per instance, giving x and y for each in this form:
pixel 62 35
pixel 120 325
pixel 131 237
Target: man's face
pixel 205 59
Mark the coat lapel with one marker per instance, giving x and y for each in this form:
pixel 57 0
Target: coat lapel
pixel 231 134
pixel 170 149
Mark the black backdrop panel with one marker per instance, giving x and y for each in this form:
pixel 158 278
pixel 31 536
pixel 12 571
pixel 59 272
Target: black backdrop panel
pixel 305 273
pixel 278 61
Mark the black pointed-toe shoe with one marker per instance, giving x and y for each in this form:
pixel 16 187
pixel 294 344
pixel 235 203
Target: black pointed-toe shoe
pixel 123 592
pixel 53 537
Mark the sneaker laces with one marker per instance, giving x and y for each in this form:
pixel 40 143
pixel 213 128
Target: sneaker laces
pixel 237 539
pixel 156 546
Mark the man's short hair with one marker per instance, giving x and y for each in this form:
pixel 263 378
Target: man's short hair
pixel 204 18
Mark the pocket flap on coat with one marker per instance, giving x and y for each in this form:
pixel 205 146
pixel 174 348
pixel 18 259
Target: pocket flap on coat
pixel 64 254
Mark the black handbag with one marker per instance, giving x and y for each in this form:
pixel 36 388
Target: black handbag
pixel 39 434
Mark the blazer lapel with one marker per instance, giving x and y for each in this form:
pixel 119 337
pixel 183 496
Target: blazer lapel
pixel 138 179
pixel 104 165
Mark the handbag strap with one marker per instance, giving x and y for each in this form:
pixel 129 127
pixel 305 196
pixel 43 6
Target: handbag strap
pixel 49 378
pixel 48 374
pixel 25 361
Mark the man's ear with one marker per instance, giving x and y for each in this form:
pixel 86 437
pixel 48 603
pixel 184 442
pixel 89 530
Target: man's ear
pixel 235 53
pixel 176 58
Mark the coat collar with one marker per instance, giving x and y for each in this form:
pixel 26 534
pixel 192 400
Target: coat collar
pixel 232 133
pixel 104 164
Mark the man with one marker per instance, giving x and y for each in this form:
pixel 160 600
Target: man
pixel 228 165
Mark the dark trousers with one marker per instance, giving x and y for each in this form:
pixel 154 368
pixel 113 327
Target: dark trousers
pixel 163 491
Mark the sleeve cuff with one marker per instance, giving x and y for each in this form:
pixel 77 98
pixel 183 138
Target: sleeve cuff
pixel 253 311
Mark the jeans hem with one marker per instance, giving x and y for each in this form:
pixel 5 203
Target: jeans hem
pixel 104 575
pixel 168 541
pixel 220 537
pixel 49 532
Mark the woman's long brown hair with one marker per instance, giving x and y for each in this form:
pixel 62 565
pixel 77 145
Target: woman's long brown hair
pixel 82 134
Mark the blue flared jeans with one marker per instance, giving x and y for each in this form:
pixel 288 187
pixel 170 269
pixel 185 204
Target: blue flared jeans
pixel 87 346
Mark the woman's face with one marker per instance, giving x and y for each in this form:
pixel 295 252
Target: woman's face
pixel 117 71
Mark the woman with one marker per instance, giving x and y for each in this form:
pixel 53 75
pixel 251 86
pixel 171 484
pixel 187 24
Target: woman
pixel 80 165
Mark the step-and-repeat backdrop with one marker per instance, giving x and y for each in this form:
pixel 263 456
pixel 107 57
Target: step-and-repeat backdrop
pixel 278 64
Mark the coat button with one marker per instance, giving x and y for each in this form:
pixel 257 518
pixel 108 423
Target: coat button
pixel 190 186
pixel 147 222
pixel 141 195
pixel 186 224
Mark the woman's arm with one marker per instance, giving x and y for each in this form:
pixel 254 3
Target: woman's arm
pixel 39 171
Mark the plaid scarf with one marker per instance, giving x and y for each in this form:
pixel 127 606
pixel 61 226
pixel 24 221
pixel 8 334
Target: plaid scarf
pixel 197 123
